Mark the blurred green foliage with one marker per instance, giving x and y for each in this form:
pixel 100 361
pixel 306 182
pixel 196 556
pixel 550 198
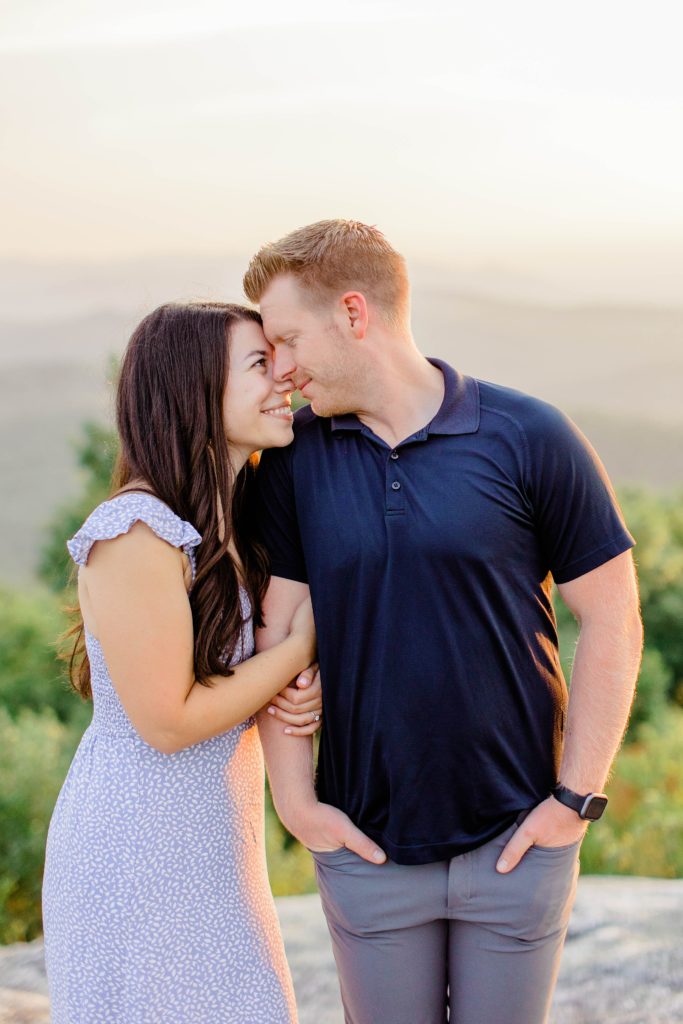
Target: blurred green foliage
pixel 35 751
pixel 642 833
pixel 31 676
pixel 656 521
pixel 41 719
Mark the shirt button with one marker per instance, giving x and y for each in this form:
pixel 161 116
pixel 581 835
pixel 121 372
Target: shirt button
pixel 396 486
pixel 394 455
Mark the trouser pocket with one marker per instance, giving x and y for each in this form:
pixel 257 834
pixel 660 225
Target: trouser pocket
pixel 533 900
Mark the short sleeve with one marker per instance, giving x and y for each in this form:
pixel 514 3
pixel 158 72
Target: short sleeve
pixel 277 515
pixel 577 515
pixel 115 517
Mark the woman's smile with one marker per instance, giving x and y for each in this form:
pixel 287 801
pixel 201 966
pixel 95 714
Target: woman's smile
pixel 283 411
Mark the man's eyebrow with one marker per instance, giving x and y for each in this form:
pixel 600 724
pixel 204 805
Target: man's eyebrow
pixel 256 352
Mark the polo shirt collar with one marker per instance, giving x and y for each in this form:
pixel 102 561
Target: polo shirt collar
pixel 458 414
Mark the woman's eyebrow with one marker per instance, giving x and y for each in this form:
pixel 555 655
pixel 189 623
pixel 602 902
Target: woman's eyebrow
pixel 256 352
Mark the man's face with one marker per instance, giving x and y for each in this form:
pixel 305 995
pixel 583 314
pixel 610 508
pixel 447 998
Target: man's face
pixel 311 348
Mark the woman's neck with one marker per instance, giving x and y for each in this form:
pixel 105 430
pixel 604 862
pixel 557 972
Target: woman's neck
pixel 138 484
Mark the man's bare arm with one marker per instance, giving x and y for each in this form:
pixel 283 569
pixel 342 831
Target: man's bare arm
pixel 606 664
pixel 289 759
pixel 604 674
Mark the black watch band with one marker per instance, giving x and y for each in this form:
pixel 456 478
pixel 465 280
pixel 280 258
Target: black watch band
pixel 590 806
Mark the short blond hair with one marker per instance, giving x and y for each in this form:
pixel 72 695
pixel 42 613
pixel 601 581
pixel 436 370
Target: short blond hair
pixel 331 257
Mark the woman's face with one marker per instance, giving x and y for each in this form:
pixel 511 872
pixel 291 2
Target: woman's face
pixel 256 410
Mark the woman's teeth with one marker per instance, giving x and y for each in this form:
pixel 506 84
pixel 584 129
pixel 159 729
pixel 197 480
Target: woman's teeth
pixel 283 410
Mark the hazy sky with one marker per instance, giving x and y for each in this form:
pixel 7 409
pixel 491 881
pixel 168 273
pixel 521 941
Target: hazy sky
pixel 537 137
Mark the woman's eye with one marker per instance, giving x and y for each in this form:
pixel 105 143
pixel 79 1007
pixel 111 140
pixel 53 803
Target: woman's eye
pixel 261 362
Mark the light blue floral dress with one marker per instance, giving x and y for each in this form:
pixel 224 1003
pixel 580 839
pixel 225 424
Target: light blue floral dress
pixel 156 903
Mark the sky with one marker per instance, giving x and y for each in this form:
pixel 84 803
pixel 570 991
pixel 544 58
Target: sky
pixel 535 139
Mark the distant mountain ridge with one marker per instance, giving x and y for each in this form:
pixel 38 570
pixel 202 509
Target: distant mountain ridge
pixel 45 290
pixel 617 370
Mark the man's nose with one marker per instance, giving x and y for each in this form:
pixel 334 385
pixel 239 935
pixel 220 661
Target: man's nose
pixel 283 364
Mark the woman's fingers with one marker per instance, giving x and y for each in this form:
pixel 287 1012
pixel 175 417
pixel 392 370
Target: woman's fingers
pixel 315 704
pixel 300 707
pixel 298 698
pixel 310 717
pixel 303 730
pixel 305 678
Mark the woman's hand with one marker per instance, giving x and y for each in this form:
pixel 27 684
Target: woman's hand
pixel 300 704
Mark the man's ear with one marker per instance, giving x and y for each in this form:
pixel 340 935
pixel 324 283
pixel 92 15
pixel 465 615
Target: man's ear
pixel 355 310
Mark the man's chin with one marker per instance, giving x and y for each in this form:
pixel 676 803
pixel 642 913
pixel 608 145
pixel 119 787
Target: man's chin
pixel 318 407
pixel 326 407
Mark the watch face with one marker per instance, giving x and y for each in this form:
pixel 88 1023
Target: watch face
pixel 593 810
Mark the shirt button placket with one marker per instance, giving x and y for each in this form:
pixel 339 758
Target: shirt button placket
pixel 394 487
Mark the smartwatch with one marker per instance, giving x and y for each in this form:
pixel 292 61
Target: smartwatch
pixel 589 807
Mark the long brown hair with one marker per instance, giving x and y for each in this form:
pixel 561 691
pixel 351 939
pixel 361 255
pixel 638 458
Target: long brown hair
pixel 169 414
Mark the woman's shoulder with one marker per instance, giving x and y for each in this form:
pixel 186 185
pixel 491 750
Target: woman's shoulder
pixel 119 514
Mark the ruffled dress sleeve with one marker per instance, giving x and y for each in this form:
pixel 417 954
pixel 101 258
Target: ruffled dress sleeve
pixel 116 516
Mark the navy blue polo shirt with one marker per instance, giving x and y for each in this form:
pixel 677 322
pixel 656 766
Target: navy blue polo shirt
pixel 430 567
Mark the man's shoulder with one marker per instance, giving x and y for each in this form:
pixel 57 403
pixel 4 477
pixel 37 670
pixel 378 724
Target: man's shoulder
pixel 528 413
pixel 310 430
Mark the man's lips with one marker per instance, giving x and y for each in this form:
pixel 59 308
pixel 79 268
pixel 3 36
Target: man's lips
pixel 304 385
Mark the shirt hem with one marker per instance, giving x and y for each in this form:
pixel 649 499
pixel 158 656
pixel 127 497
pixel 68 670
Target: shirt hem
pixel 285 573
pixel 430 853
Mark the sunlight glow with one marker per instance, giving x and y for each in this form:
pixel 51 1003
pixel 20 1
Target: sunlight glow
pixel 524 133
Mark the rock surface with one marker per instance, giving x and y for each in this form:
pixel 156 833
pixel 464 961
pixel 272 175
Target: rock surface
pixel 623 962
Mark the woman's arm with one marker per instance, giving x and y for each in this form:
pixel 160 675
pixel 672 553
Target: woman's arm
pixel 134 600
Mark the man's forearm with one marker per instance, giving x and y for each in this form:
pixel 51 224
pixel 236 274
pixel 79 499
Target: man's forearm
pixel 603 681
pixel 289 759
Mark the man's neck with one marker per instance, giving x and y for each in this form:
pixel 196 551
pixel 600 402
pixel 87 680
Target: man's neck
pixel 405 396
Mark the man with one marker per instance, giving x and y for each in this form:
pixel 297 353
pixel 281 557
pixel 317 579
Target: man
pixel 429 513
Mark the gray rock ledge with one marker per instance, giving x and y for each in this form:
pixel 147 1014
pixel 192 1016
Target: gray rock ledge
pixel 623 962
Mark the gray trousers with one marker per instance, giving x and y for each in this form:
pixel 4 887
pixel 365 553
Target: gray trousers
pixel 451 941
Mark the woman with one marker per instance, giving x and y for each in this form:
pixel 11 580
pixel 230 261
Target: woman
pixel 157 908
